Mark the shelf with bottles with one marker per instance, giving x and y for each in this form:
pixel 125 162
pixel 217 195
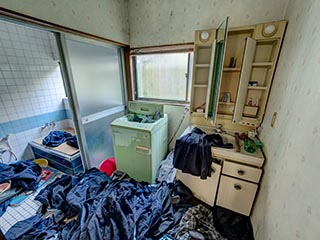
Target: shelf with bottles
pixel 253 103
pixel 200 101
pixel 250 55
pixel 254 85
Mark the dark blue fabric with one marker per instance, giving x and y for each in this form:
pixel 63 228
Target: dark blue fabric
pixel 125 210
pixel 23 174
pixel 192 153
pixel 55 138
pixel 3 207
pixel 73 142
pixel 35 228
pixel 118 209
pixel 68 193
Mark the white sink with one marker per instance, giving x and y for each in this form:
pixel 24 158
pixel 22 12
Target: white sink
pixel 228 138
pixel 243 156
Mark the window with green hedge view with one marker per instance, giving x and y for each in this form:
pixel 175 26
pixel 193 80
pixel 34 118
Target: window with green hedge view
pixel 164 76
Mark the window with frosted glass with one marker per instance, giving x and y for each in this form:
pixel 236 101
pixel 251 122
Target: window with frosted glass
pixel 163 76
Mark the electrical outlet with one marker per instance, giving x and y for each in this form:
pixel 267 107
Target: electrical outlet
pixel 273 120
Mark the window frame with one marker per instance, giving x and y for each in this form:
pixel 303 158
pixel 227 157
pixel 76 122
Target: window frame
pixel 182 48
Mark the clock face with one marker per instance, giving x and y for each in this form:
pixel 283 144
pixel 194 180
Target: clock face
pixel 204 36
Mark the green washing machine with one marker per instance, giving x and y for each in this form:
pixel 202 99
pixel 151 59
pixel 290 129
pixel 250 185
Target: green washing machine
pixel 140 146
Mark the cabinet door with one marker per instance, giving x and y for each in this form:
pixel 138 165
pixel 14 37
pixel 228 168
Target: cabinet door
pixel 205 190
pixel 236 195
pixel 244 79
pixel 218 68
pixel 213 51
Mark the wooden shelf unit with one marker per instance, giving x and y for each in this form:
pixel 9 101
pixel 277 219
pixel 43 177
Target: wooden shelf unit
pixel 228 69
pixel 262 64
pixel 227 103
pixel 261 55
pixel 231 75
pixel 202 69
pixel 202 65
pixel 257 88
pixel 200 85
pixel 255 56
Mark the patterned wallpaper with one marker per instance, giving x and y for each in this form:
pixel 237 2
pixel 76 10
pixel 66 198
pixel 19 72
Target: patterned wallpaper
pixel 105 18
pixel 287 206
pixel 161 22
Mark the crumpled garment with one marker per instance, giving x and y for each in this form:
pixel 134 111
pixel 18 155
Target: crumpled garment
pixel 117 209
pixel 68 193
pixel 125 210
pixel 55 138
pixel 166 171
pixel 197 223
pixel 232 225
pixel 192 153
pixel 35 228
pixel 23 174
pixel 73 142
pixel 182 201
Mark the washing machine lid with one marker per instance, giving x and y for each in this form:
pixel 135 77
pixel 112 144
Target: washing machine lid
pixel 124 122
pixel 145 108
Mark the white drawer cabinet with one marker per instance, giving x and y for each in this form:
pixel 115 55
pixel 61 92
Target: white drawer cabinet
pixel 236 194
pixel 242 171
pixel 234 183
pixel 238 186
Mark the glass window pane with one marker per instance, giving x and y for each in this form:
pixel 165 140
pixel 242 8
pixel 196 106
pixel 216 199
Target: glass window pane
pixel 98 136
pixel 97 76
pixel 162 76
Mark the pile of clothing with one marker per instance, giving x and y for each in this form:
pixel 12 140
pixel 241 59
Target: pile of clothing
pixel 56 138
pixel 144 118
pixel 91 206
pixel 16 178
pixel 95 206
pixel 192 153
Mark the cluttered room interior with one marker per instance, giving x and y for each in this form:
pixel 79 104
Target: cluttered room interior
pixel 159 119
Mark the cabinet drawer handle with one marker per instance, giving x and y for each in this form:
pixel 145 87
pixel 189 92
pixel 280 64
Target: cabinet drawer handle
pixel 241 172
pixel 237 187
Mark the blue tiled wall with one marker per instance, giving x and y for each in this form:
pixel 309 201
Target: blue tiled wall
pixel 24 124
pixel 31 86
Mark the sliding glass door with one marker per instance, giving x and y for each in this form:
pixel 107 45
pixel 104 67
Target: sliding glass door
pixel 94 79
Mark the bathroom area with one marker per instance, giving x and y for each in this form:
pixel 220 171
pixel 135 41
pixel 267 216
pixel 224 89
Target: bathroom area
pixel 32 95
pixel 39 69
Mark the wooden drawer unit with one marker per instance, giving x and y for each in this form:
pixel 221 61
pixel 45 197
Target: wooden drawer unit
pixel 241 171
pixel 236 195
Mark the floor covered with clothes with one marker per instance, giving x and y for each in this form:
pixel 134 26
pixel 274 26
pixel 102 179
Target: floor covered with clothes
pixel 93 205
